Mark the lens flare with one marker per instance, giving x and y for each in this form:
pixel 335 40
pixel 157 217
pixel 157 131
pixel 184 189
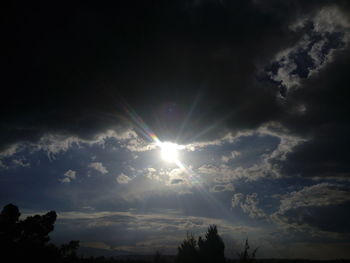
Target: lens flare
pixel 169 152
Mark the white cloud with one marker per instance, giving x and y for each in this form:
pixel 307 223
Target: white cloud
pixel 220 174
pixel 332 19
pixel 287 142
pixel 131 141
pixel 154 174
pixel 231 156
pixel 222 188
pixel 164 220
pixel 299 209
pixel 249 205
pixel 228 138
pixel 11 150
pixel 139 145
pixel 268 166
pixel 177 176
pixel 55 143
pixel 236 199
pixel 168 176
pixel 327 22
pixel 98 166
pixel 323 194
pixel 68 176
pixel 224 173
pixel 21 162
pixel 123 179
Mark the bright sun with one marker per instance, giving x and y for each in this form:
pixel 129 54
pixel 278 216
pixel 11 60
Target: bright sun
pixel 169 152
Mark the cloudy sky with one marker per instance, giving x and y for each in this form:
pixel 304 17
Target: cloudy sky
pixel 252 98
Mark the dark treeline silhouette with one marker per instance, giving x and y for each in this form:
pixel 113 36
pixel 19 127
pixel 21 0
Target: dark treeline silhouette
pixel 28 240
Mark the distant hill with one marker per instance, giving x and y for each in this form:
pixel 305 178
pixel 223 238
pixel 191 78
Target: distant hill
pixel 98 252
pixel 121 255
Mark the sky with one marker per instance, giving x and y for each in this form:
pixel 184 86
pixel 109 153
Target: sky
pixel 252 96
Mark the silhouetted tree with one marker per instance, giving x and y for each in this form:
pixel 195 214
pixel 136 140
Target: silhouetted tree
pixel 245 256
pixel 211 248
pixel 28 239
pixel 188 251
pixel 9 231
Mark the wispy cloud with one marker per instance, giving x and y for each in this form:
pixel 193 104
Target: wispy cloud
pixel 309 209
pixel 249 204
pixel 150 231
pixel 22 162
pixel 231 156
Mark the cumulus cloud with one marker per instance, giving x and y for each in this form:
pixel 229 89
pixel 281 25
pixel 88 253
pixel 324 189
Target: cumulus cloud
pixel 168 176
pixel 68 176
pixel 123 179
pixel 98 166
pixel 154 174
pixel 177 176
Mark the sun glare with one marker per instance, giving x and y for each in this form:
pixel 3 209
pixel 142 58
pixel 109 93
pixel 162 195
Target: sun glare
pixel 169 152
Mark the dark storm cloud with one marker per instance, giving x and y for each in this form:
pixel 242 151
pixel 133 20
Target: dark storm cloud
pixel 69 70
pixel 325 123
